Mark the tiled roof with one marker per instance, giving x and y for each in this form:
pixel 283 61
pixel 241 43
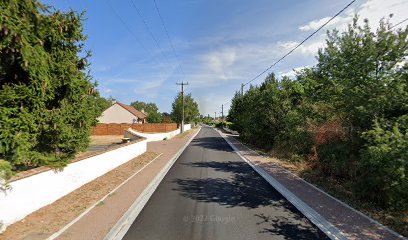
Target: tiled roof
pixel 133 111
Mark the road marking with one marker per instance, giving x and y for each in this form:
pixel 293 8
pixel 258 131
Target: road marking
pixel 62 230
pixel 119 230
pixel 329 229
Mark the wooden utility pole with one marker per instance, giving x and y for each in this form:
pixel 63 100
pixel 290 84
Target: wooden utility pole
pixel 182 100
pixel 222 115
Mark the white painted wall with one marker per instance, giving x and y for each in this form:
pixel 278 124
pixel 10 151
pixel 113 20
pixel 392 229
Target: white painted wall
pixel 151 137
pixel 117 114
pixel 32 193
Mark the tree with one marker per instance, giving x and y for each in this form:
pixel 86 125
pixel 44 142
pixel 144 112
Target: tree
pixel 166 118
pixel 47 100
pixel 349 113
pixel 104 103
pixel 191 111
pixel 153 115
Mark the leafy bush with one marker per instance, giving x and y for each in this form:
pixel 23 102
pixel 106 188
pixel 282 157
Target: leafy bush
pixel 384 163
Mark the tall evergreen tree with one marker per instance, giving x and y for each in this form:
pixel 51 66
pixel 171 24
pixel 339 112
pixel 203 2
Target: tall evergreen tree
pixel 47 100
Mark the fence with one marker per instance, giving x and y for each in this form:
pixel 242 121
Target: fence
pixel 119 128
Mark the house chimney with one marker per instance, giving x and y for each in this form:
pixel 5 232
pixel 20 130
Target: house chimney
pixel 113 101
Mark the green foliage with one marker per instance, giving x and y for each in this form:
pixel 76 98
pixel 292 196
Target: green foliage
pixel 347 114
pixel 384 163
pixel 47 100
pixel 153 115
pixel 166 118
pixel 103 103
pixel 191 112
pixel 6 172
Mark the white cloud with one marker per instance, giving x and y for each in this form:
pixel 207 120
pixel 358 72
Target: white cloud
pixel 373 10
pixel 292 73
pixel 315 24
pixel 108 90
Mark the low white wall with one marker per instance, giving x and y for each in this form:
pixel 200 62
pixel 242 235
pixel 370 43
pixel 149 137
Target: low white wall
pixel 151 137
pixel 32 193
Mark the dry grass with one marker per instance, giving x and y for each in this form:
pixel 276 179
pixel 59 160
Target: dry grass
pixel 51 218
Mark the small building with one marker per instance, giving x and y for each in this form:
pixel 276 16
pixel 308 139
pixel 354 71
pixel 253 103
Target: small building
pixel 122 113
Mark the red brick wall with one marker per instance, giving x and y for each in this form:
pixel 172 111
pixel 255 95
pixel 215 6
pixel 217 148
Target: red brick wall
pixel 119 128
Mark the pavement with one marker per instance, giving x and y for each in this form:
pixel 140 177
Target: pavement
pixel 211 193
pixel 96 224
pixel 350 222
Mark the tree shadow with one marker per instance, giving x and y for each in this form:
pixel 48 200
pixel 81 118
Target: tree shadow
pixel 241 186
pixel 289 229
pixel 214 143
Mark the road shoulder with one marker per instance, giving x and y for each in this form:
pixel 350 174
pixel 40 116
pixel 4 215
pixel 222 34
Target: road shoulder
pixel 352 223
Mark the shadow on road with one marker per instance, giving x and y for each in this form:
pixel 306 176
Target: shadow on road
pixel 242 187
pixel 283 226
pixel 213 143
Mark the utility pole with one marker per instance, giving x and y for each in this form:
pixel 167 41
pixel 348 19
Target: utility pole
pixel 242 89
pixel 215 117
pixel 182 100
pixel 222 114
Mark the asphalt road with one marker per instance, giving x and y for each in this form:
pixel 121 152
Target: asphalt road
pixel 211 193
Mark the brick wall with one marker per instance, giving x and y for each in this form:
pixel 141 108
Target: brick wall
pixel 119 128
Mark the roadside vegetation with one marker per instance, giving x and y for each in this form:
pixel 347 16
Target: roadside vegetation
pixel 345 120
pixel 153 114
pixel 191 112
pixel 48 101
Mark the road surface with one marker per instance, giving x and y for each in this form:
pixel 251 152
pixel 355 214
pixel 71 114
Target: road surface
pixel 211 193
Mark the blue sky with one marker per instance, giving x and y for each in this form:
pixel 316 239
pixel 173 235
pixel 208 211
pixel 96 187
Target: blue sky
pixel 219 44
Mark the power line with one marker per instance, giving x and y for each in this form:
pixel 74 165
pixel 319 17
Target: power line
pixel 168 37
pixel 149 53
pixel 149 30
pixel 165 29
pixel 406 19
pixel 132 33
pixel 297 46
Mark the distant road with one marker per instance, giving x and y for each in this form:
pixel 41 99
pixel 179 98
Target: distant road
pixel 211 193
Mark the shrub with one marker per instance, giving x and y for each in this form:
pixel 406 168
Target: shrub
pixel 5 174
pixel 383 167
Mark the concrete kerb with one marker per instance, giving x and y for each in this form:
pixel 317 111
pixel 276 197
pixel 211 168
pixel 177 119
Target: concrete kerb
pixel 119 230
pixel 330 196
pixel 325 226
pixel 62 230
